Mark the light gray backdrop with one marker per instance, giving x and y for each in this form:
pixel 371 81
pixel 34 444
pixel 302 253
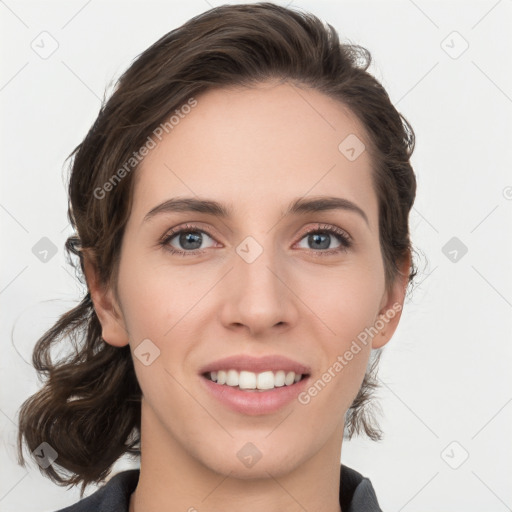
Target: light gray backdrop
pixel 446 381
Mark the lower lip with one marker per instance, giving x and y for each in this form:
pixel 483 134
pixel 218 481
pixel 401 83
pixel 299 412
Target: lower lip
pixel 255 402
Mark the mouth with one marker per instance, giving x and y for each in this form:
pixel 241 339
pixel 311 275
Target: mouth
pixel 245 397
pixel 254 385
pixel 255 382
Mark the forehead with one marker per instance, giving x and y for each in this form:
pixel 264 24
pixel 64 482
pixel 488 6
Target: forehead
pixel 259 147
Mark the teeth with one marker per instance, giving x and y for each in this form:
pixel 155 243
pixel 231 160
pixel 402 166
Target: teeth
pixel 250 380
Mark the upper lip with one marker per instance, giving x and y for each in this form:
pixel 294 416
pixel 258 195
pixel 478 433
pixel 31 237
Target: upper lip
pixel 242 362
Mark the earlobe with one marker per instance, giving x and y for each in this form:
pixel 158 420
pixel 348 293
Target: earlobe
pixel 386 323
pixel 389 315
pixel 105 305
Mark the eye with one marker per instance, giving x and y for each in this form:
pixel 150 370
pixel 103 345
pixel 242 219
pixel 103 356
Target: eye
pixel 320 237
pixel 188 238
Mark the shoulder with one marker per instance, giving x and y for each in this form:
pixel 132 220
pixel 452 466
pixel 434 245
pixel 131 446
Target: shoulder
pixel 356 492
pixel 114 496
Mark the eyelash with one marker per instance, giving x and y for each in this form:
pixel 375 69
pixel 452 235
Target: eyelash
pixel 343 238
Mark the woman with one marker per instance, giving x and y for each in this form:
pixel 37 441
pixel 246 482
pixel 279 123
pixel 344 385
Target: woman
pixel 241 212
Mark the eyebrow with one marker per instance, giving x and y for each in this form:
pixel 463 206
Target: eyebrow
pixel 299 206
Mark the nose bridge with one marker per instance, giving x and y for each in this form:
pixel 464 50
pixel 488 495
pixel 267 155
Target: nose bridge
pixel 253 265
pixel 256 295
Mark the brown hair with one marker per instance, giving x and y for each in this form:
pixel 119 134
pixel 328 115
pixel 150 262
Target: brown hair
pixel 89 407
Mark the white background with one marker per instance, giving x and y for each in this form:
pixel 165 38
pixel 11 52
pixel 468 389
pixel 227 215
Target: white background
pixel 446 373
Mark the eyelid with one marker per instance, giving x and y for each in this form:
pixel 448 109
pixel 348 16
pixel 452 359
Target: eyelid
pixel 188 226
pixel 330 228
pixel 196 226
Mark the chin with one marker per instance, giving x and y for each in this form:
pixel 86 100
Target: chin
pixel 249 464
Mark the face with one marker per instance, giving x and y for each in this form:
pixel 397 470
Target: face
pixel 258 281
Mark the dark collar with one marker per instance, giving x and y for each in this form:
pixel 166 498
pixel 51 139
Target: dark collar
pixel 356 494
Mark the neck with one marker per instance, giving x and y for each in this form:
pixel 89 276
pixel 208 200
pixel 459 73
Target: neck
pixel 173 479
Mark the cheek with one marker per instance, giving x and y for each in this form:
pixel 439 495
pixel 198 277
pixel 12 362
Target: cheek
pixel 155 305
pixel 345 298
pixel 154 298
pixel 347 305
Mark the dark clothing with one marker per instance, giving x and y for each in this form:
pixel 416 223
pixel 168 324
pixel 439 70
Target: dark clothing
pixel 357 494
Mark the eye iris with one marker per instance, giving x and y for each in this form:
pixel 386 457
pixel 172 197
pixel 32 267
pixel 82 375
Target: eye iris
pixel 316 237
pixel 192 237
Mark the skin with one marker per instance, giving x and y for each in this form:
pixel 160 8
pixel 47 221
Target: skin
pixel 255 150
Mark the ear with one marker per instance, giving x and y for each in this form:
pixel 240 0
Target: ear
pixel 391 307
pixel 107 310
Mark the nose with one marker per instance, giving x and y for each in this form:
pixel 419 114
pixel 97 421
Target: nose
pixel 257 296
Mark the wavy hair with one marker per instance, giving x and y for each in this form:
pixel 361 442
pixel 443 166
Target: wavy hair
pixel 88 409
